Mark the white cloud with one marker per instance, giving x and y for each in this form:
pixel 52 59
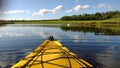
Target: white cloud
pixel 76 0
pixel 58 7
pixel 110 7
pixel 14 11
pixel 70 10
pixel 102 5
pixel 46 11
pixel 78 8
pixel 42 12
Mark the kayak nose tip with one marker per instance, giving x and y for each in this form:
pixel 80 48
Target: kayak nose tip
pixel 51 38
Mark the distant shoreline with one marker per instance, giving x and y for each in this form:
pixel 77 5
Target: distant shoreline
pixel 58 21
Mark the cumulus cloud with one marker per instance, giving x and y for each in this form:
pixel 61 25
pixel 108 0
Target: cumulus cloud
pixel 110 7
pixel 78 8
pixel 58 7
pixel 46 11
pixel 14 11
pixel 102 5
pixel 76 0
pixel 42 12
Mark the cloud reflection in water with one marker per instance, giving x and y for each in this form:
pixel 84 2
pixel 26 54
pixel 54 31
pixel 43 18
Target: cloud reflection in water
pixel 109 57
pixel 47 34
pixel 14 35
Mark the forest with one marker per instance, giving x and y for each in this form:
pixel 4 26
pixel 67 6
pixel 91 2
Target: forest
pixel 95 16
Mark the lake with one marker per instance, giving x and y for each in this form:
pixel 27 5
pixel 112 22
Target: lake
pixel 100 46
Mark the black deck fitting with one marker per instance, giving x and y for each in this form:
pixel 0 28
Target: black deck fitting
pixel 51 38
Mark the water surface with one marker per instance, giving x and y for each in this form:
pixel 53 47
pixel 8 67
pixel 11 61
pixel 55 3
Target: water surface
pixel 100 46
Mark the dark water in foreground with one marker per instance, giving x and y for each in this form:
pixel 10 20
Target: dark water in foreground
pixel 93 44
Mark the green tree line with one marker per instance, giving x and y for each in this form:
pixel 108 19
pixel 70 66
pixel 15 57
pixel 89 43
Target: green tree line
pixel 95 16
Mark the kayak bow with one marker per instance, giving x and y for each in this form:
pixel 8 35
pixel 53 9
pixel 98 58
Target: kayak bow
pixel 52 54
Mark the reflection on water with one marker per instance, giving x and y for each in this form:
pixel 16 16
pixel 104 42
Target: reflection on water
pixel 96 30
pixel 100 46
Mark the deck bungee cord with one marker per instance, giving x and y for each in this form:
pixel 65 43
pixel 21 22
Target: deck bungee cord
pixel 52 54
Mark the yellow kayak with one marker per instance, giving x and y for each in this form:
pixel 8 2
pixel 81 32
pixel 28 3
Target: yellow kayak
pixel 52 54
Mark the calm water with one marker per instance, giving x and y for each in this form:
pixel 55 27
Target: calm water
pixel 97 45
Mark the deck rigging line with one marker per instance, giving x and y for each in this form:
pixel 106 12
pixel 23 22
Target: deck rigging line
pixel 52 53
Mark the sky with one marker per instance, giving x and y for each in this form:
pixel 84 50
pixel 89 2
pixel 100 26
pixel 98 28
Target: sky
pixel 52 9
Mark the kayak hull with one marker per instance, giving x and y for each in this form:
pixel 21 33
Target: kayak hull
pixel 52 54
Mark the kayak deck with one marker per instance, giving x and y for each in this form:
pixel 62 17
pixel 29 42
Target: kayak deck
pixel 52 54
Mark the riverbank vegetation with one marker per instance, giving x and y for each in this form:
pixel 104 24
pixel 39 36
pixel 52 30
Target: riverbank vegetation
pixel 111 16
pixel 95 16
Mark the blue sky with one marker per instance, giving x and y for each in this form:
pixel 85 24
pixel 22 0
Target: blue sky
pixel 52 9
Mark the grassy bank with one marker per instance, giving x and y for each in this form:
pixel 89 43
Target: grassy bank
pixel 97 22
pixel 112 25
